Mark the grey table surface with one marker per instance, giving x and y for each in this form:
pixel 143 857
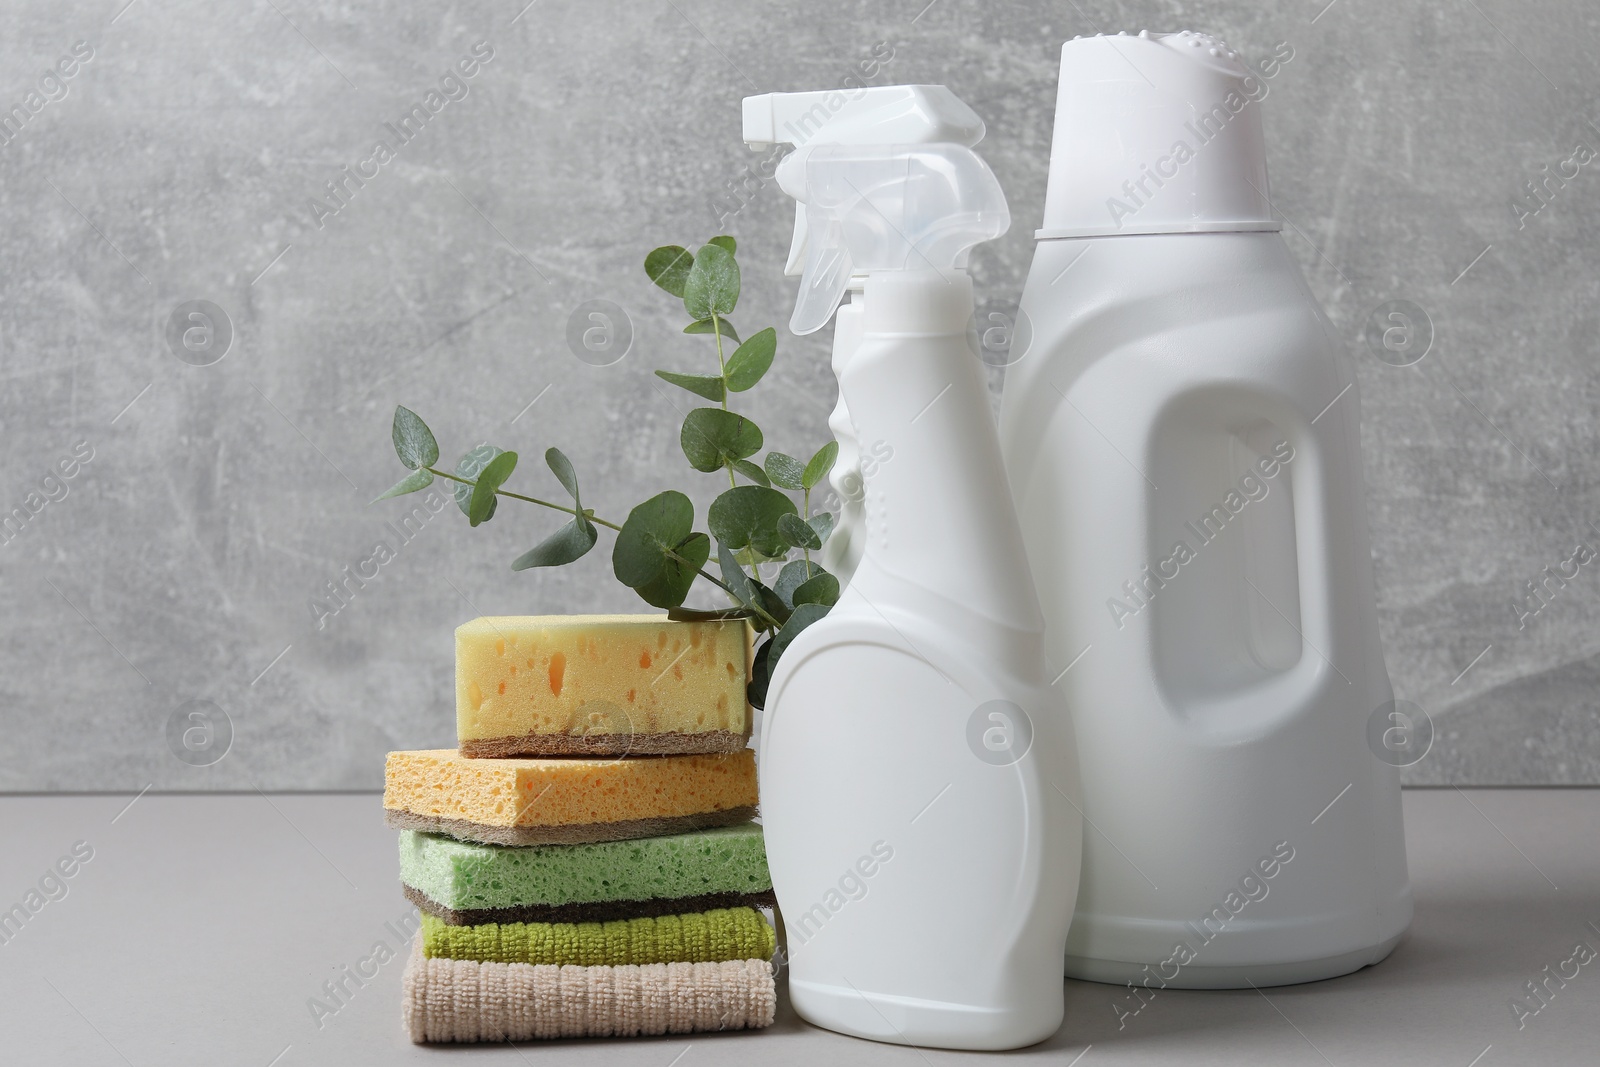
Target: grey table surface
pixel 202 926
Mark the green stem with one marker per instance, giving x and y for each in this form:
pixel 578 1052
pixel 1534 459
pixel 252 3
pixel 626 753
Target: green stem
pixel 590 515
pixel 722 371
pixel 806 551
pixel 722 367
pixel 772 623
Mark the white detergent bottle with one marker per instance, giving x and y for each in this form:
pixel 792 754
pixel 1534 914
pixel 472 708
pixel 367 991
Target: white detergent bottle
pixel 918 782
pixel 1182 436
pixel 871 115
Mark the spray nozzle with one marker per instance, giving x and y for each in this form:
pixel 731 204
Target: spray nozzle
pixel 887 208
pixel 868 115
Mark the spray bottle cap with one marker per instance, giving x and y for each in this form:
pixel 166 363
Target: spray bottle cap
pixel 1156 133
pixel 878 208
pixel 874 115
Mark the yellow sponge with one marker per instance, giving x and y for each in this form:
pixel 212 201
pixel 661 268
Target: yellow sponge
pixel 565 801
pixel 698 937
pixel 607 685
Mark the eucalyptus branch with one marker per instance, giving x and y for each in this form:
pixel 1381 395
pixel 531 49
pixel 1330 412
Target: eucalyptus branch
pixel 587 513
pixel 657 552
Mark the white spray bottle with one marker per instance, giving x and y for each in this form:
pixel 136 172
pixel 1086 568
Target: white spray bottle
pixel 872 115
pixel 918 781
pixel 1183 439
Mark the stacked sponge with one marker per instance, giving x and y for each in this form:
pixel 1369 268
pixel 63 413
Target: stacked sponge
pixel 585 863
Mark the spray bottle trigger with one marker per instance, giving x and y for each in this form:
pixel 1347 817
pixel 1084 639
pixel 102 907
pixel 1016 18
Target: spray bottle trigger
pixel 826 275
pixel 795 265
pixel 872 208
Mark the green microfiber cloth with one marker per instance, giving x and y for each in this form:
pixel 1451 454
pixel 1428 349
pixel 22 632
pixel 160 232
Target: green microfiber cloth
pixel 701 937
pixel 466 877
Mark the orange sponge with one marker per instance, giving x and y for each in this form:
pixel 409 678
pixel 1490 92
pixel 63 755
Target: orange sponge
pixel 565 801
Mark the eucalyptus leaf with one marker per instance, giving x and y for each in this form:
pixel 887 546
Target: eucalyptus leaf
pixel 751 360
pixel 798 532
pixel 820 464
pixel 748 590
pixel 409 484
pixel 753 472
pixel 725 242
pixel 683 614
pixel 823 589
pixel 672 587
pixel 722 326
pixel 773 604
pixel 651 529
pixel 734 576
pixel 760 675
pixel 793 576
pixel 561 467
pixel 413 441
pixel 706 385
pixel 669 266
pixel 747 516
pixel 468 467
pixel 494 474
pixel 785 471
pixel 569 543
pixel 712 287
pixel 657 554
pixel 822 522
pixel 712 438
pixel 803 616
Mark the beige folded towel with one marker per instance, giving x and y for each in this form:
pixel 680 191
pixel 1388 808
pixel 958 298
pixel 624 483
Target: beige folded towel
pixel 464 1000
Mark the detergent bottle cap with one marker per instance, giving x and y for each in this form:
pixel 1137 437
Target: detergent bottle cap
pixel 1156 133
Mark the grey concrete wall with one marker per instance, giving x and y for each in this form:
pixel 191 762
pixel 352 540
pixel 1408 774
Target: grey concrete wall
pixel 179 563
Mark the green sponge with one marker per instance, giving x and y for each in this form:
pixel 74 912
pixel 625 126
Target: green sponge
pixel 465 883
pixel 701 937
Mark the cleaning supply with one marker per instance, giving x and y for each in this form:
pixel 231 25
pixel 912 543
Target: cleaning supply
pixel 698 937
pixel 448 1000
pixel 1182 436
pixel 873 115
pixel 466 884
pixel 926 867
pixel 601 685
pixel 524 801
pixel 564 895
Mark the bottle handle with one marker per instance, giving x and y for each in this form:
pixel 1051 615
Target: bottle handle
pixel 1287 626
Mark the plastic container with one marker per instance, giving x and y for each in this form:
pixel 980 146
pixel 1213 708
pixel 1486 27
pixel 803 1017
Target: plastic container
pixel 1182 436
pixel 918 781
